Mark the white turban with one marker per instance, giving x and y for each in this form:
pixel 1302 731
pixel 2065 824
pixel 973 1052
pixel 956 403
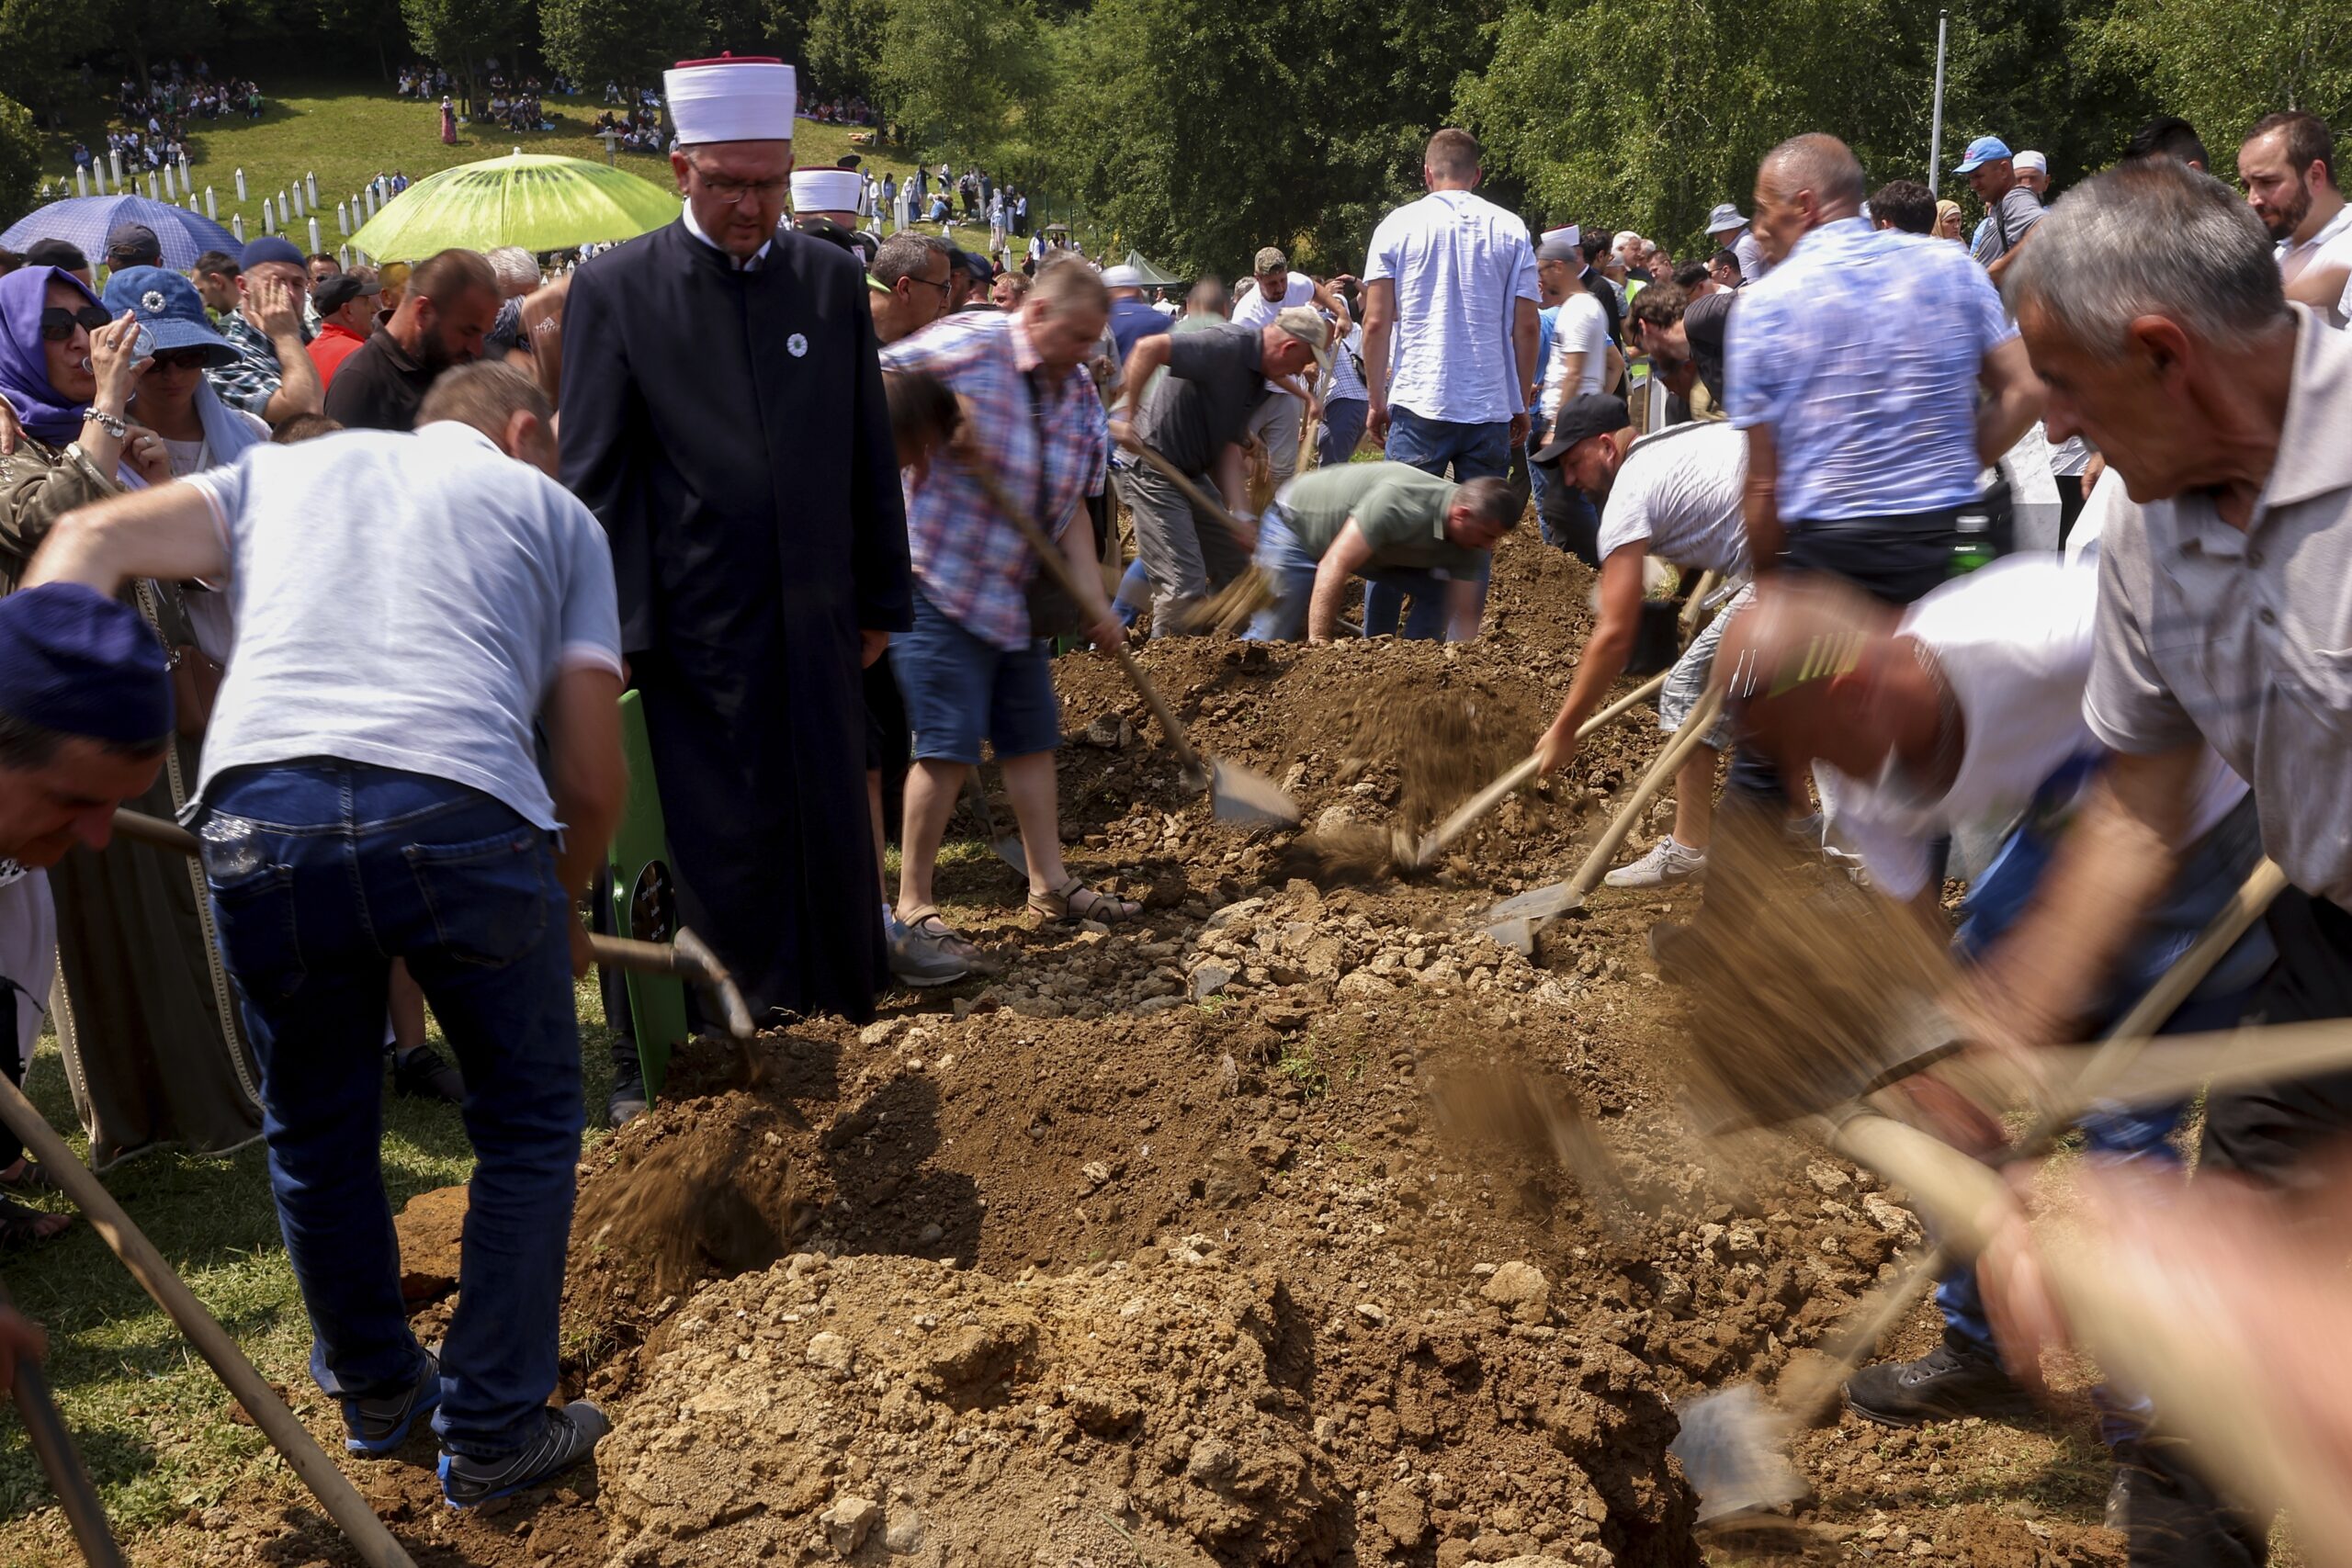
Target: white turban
pixel 826 190
pixel 730 100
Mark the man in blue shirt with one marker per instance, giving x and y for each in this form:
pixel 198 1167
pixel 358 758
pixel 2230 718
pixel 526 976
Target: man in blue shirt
pixel 1132 319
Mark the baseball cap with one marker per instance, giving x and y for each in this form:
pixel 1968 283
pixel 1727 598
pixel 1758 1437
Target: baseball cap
pixel 2029 159
pixel 133 244
pixel 342 289
pixel 169 309
pixel 1580 419
pixel 269 248
pixel 1309 328
pixel 983 270
pixel 1983 151
pixel 1122 277
pixel 1725 217
pixel 1270 259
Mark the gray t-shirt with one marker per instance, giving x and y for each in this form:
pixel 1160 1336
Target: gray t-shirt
pixel 2017 211
pixel 405 600
pixel 1215 379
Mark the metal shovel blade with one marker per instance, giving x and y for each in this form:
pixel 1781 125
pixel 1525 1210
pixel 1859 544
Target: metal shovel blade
pixel 1007 850
pixel 1734 1451
pixel 1514 921
pixel 1244 796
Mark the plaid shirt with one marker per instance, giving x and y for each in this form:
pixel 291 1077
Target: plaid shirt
pixel 969 561
pixel 253 379
pixel 1861 352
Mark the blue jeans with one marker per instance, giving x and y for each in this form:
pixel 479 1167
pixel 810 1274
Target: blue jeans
pixel 1341 432
pixel 1290 572
pixel 2209 877
pixel 1433 445
pixel 322 872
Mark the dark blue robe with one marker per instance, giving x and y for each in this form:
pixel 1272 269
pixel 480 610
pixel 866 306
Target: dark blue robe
pixel 752 496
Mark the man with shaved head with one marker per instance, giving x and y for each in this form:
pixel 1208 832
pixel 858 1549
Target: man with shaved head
pixel 1854 367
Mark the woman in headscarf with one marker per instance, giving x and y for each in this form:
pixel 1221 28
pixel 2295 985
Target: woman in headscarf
pixel 66 373
pixel 1947 221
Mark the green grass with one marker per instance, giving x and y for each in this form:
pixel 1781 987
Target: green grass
pixel 149 1417
pixel 348 130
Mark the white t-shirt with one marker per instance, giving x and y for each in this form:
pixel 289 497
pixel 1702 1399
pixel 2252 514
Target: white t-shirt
pixel 405 600
pixel 1254 310
pixel 1581 326
pixel 2013 640
pixel 1750 251
pixel 2332 246
pixel 1459 264
pixel 1677 492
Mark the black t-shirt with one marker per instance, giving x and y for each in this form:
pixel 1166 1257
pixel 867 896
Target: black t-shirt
pixel 379 388
pixel 1704 323
pixel 1215 380
pixel 1597 283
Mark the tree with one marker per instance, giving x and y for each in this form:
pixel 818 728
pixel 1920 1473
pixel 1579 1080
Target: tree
pixel 458 35
pixel 20 150
pixel 619 41
pixel 845 39
pixel 2223 64
pixel 955 72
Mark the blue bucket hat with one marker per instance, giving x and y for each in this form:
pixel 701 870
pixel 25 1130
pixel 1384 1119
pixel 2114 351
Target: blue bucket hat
pixel 169 308
pixel 1983 151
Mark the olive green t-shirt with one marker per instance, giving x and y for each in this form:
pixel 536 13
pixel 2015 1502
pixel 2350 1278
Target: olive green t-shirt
pixel 1400 511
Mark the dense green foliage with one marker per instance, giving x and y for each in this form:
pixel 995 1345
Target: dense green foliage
pixel 1196 130
pixel 20 156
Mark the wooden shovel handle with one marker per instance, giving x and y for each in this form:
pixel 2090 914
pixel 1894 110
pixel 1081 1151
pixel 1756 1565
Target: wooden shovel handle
pixel 52 1445
pixel 343 1504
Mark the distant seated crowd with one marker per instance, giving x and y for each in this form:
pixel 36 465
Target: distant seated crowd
pixel 848 109
pixel 639 130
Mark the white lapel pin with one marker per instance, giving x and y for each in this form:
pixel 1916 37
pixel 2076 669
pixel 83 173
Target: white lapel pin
pixel 795 346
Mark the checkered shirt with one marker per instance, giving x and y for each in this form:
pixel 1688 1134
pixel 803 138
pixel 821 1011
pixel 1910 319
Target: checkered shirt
pixel 253 379
pixel 968 561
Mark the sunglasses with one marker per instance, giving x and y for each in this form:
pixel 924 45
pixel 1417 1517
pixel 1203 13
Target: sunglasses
pixel 181 358
pixel 57 322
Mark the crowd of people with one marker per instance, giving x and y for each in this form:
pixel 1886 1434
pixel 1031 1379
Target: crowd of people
pixel 810 547
pixel 153 121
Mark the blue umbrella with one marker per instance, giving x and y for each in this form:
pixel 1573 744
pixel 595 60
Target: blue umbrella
pixel 87 220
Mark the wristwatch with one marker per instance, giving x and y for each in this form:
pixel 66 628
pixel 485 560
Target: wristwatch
pixel 113 424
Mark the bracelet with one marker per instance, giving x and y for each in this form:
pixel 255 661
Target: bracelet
pixel 113 424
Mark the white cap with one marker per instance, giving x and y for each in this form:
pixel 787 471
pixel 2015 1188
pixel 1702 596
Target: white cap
pixel 729 99
pixel 825 190
pixel 1567 233
pixel 2037 162
pixel 1122 277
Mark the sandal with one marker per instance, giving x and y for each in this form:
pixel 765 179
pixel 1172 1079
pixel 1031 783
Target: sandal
pixel 21 1226
pixel 1073 900
pixel 35 1178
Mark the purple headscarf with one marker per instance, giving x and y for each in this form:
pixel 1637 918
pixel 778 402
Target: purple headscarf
pixel 24 358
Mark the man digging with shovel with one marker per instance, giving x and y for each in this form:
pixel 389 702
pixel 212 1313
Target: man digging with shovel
pixel 1964 713
pixel 976 662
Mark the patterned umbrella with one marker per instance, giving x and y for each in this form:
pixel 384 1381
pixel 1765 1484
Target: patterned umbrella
pixel 87 220
pixel 529 199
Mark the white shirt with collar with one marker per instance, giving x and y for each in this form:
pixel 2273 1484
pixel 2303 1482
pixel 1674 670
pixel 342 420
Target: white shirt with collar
pixel 742 264
pixel 1460 265
pixel 2330 245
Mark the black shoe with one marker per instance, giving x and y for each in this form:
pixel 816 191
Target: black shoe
pixel 628 1100
pixel 1945 1385
pixel 380 1425
pixel 2170 1516
pixel 426 1074
pixel 568 1436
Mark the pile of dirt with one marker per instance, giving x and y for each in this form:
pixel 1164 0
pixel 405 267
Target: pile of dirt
pixel 1164 1410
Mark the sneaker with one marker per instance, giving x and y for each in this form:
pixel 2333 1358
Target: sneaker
pixel 628 1100
pixel 569 1436
pixel 380 1425
pixel 426 1074
pixel 1667 861
pixel 1945 1385
pixel 927 954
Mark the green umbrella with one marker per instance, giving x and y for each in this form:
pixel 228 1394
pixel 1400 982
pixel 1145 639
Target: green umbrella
pixel 528 199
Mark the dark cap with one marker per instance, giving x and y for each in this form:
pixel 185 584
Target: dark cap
pixel 270 248
pixel 133 244
pixel 81 662
pixel 1580 419
pixel 983 272
pixel 63 255
pixel 341 289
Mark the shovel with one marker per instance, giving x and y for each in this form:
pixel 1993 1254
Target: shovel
pixel 689 959
pixel 1733 1438
pixel 1515 922
pixel 1439 839
pixel 1238 795
pixel 1008 848
pixel 53 1446
pixel 1240 599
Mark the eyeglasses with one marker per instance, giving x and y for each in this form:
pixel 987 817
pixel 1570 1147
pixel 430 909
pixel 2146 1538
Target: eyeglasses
pixel 733 192
pixel 57 322
pixel 181 358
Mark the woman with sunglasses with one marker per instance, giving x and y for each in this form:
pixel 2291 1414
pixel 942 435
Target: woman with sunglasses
pixel 67 370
